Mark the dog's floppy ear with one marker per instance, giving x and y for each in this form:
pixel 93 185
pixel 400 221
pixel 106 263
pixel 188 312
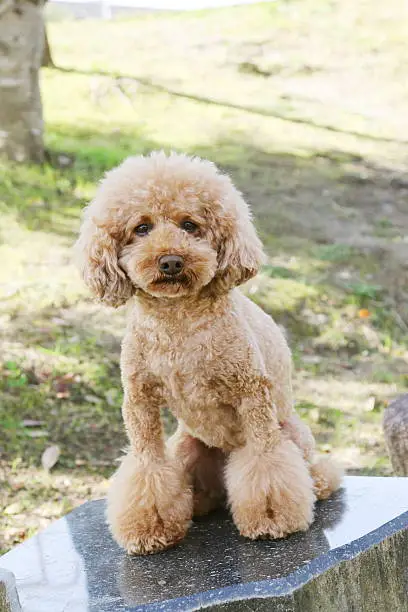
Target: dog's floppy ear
pixel 240 252
pixel 96 253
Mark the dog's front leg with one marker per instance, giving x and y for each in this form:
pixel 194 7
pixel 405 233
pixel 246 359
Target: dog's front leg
pixel 149 502
pixel 270 490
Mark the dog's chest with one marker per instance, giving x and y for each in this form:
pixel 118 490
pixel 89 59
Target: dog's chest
pixel 209 363
pixel 200 382
pixel 174 358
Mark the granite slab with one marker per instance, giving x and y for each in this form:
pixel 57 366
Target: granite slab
pixel 75 566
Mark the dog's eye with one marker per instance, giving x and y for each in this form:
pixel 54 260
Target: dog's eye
pixel 189 226
pixel 143 229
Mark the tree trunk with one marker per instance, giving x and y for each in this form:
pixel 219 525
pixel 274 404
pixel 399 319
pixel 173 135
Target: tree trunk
pixel 21 51
pixel 47 60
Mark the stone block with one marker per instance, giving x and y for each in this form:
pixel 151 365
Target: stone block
pixel 353 559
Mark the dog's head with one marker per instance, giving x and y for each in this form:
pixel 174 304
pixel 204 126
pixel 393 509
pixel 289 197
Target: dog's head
pixel 169 226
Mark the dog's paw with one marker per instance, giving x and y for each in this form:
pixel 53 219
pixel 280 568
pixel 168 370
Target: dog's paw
pixel 150 506
pixel 145 529
pixel 272 521
pixel 160 536
pixel 271 494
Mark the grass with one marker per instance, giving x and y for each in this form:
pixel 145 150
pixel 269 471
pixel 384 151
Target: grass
pixel 303 103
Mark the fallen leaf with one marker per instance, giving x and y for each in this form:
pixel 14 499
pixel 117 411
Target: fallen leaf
pixel 364 313
pixel 14 508
pixel 50 457
pixel 31 423
pixel 369 405
pixel 93 399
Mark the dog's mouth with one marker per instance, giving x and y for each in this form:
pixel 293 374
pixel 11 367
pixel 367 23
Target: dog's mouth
pixel 179 282
pixel 171 286
pixel 172 280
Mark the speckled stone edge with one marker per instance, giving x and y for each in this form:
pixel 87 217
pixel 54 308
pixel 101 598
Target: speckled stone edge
pixel 9 601
pixel 280 587
pixel 373 581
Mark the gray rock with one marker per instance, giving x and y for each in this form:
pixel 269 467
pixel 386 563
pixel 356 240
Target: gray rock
pixel 395 426
pixel 8 593
pixel 354 558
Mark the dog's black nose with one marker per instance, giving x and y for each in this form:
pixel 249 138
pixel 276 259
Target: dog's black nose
pixel 171 265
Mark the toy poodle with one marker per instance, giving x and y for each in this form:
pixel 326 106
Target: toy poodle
pixel 172 234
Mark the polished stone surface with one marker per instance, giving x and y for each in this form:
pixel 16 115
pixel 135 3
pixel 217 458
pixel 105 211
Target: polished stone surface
pixel 75 566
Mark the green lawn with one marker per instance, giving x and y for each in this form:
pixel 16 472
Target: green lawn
pixel 304 104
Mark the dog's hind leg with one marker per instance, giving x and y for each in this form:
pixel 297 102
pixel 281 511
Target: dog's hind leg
pixel 296 430
pixel 205 468
pixel 326 474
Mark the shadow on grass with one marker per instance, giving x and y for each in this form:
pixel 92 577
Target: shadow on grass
pixel 318 195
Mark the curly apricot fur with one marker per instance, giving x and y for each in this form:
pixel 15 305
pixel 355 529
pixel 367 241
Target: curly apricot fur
pixel 194 343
